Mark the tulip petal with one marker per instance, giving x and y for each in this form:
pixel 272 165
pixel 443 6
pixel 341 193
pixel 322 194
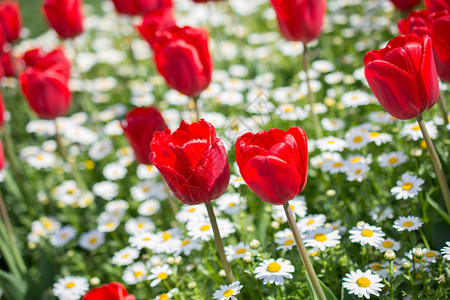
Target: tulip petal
pixel 428 79
pixel 271 179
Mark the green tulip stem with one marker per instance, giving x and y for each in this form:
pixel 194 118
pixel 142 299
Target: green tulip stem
pixel 317 126
pixel 436 162
pixel 195 108
pixel 5 217
pixel 219 243
pixel 70 160
pixel 443 107
pixel 303 253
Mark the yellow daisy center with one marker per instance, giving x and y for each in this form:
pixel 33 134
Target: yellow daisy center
pixel 166 236
pixel 273 267
pixel 228 293
pixel 367 233
pixel 376 267
pixel 205 227
pixel 374 134
pixel 288 242
pixel 240 251
pixel 416 128
pixel 357 139
pixel 126 255
pixel 92 240
pixel 392 160
pixel 407 186
pixel 231 204
pixel 357 172
pixel 138 274
pixel 355 160
pixel 146 239
pixel 292 207
pixel 430 254
pixel 149 167
pixel 337 164
pixel 331 142
pixel 310 222
pixel 70 285
pixel 408 224
pixel 363 282
pixel 320 237
pixel 162 276
pixel 387 244
pixel 191 210
pixel 184 243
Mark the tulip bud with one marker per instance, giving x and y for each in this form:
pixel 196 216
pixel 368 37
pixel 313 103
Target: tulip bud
pixel 65 17
pixel 10 20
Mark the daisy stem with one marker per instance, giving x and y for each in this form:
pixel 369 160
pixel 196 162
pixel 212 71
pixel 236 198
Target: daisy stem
pixel 219 243
pixel 443 107
pixel 436 162
pixel 75 173
pixel 424 238
pixel 317 126
pixel 391 279
pixel 194 106
pixel 304 254
pixel 5 217
pixel 279 292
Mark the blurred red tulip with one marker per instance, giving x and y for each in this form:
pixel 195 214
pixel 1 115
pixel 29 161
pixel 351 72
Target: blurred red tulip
pixel 300 20
pixel 274 163
pixel 193 162
pixel 403 76
pixel 182 57
pixel 10 64
pixel 437 5
pixel 45 83
pixel 10 20
pixel 112 291
pixel 139 126
pixel 405 4
pixel 156 22
pixel 437 26
pixel 140 7
pixel 65 17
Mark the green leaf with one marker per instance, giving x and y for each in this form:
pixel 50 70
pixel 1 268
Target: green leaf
pixel 328 293
pixel 345 295
pixel 435 205
pixel 14 288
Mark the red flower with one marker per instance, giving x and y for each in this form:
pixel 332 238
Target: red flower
pixel 193 161
pixel 112 291
pixel 182 57
pixel 274 163
pixel 204 1
pixel 10 64
pixel 10 19
pixel 65 17
pixel 156 22
pixel 437 26
pixel 140 7
pixel 45 83
pixel 139 126
pixel 405 4
pixel 437 5
pixel 403 76
pixel 2 112
pixel 2 157
pixel 300 20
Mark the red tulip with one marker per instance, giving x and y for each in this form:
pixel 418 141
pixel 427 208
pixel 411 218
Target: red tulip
pixel 274 163
pixel 2 112
pixel 182 57
pixel 403 76
pixel 204 1
pixel 156 22
pixel 300 20
pixel 140 7
pixel 437 26
pixel 405 4
pixel 112 291
pixel 65 17
pixel 193 161
pixel 10 20
pixel 139 126
pixel 10 64
pixel 437 5
pixel 55 60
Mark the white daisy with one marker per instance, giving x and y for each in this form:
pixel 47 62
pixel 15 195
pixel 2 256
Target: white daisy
pixel 146 171
pixel 392 159
pixel 363 284
pixel 355 99
pixel 107 222
pixel 201 228
pixel 116 208
pixel 379 138
pixel 135 273
pixel 409 223
pixel 149 207
pixel 413 131
pixel 191 212
pixel 68 192
pixel 62 236
pixel 143 240
pixel 331 143
pixel 100 149
pixel 231 203
pixel 236 181
pixel 139 225
pixel 311 222
pixel 158 274
pixel 332 124
pixel 168 241
pixel 408 187
pixel 297 206
pixel 114 171
pixel 356 138
pixel 274 272
pixel 446 251
pixel 357 172
pixel 106 189
pixel 322 238
pixel 366 234
pixel 388 244
pixel 92 239
pixel 236 251
pixel 70 287
pixel 381 213
pixel 125 257
pixel 285 242
pixel 227 292
pixel 187 245
pixel 430 255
